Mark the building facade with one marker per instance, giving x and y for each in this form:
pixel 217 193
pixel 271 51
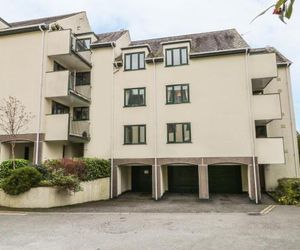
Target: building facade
pixel 202 113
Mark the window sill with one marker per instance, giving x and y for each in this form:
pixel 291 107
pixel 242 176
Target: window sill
pixel 128 70
pixel 170 66
pixel 126 144
pixel 135 106
pixel 178 103
pixel 179 142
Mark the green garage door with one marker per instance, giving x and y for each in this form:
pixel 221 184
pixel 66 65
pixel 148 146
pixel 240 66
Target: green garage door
pixel 183 179
pixel 225 179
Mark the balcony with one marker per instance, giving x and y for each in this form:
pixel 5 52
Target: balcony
pixel 269 150
pixel 62 48
pixel 61 87
pixel 266 108
pixel 69 130
pixel 262 69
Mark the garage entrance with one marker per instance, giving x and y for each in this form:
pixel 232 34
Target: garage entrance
pixel 141 177
pixel 183 179
pixel 225 179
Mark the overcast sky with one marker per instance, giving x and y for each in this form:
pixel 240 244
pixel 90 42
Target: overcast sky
pixel 155 18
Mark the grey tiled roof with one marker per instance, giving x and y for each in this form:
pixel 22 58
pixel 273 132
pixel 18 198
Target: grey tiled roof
pixel 200 42
pixel 110 36
pixel 279 57
pixel 46 20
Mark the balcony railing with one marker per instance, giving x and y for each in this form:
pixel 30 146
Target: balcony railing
pixel 266 107
pixel 270 150
pixel 61 127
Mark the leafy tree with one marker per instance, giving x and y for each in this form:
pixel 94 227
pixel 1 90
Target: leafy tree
pixel 13 119
pixel 282 8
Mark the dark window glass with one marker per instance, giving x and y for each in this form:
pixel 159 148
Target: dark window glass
pixel 83 78
pixel 261 131
pixel 58 108
pixel 176 56
pixel 83 44
pixel 135 97
pixel 135 61
pixel 81 114
pixel 58 67
pixel 135 134
pixel 26 153
pixel 179 132
pixel 178 94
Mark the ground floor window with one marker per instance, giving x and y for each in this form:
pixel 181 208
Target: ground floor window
pixel 135 134
pixel 179 132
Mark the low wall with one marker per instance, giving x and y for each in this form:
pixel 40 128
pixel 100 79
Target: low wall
pixel 46 197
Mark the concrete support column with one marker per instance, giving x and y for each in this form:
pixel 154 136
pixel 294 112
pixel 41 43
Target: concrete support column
pixel 114 180
pixel 159 181
pixel 253 192
pixel 154 182
pixel 203 182
pixel 39 153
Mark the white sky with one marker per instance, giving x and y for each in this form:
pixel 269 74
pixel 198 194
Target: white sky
pixel 156 18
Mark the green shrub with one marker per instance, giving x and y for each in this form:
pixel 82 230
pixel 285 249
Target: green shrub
pixel 288 191
pixel 7 166
pixel 21 180
pixel 96 168
pixel 66 182
pixel 43 170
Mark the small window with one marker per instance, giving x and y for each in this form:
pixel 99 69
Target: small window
pixel 58 108
pixel 135 134
pixel 58 67
pixel 176 56
pixel 134 97
pixel 83 78
pixel 135 61
pixel 81 114
pixel 179 132
pixel 178 94
pixel 83 44
pixel 261 131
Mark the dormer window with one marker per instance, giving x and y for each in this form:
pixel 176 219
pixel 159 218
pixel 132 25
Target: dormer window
pixel 135 61
pixel 176 56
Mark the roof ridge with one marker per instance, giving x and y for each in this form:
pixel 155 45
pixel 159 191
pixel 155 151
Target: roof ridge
pixel 190 34
pixel 48 17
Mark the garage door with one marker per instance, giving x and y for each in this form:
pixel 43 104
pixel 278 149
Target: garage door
pixel 141 177
pixel 225 179
pixel 183 179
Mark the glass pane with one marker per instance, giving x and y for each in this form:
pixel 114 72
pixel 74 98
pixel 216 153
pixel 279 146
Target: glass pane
pixel 142 61
pixel 187 132
pixel 184 56
pixel 179 135
pixel 171 133
pixel 176 56
pixel 127 97
pixel 177 94
pixel 85 114
pixel 169 57
pixel 142 97
pixel 128 133
pixel 134 58
pixel 135 134
pixel 127 61
pixel 170 95
pixel 185 94
pixel 142 134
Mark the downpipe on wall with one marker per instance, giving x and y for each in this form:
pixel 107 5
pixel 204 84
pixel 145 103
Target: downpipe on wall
pixel 155 131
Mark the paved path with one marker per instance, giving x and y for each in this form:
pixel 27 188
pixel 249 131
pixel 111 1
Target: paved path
pixel 280 229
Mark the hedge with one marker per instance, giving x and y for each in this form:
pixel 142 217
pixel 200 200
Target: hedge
pixel 288 191
pixel 7 166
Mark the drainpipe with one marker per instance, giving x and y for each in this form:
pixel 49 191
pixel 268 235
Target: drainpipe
pixel 155 130
pixel 251 123
pixel 292 120
pixel 37 149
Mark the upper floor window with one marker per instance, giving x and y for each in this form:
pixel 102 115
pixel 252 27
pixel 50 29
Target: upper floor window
pixel 83 44
pixel 179 132
pixel 178 94
pixel 58 108
pixel 176 56
pixel 135 97
pixel 135 61
pixel 135 134
pixel 58 67
pixel 81 113
pixel 83 78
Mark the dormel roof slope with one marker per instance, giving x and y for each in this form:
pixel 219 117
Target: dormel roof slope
pixel 110 36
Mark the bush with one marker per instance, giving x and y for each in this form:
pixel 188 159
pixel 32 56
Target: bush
pixel 21 180
pixel 7 166
pixel 43 170
pixel 67 182
pixel 288 191
pixel 96 168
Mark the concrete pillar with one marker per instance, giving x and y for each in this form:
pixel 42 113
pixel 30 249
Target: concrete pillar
pixel 114 180
pixel 251 183
pixel 203 182
pixel 159 181
pixel 154 182
pixel 39 153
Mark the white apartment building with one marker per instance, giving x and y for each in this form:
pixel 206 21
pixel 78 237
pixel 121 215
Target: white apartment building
pixel 202 113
